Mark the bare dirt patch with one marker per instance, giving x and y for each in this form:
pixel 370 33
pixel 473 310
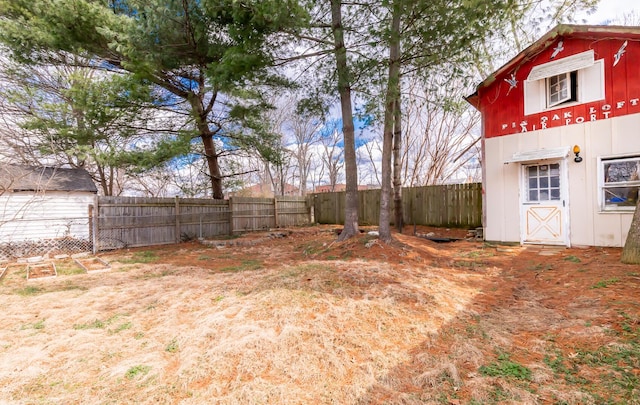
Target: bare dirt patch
pixel 301 318
pixel 41 270
pixel 92 264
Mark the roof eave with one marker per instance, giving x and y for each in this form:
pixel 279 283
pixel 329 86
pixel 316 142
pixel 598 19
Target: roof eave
pixel 474 100
pixel 548 39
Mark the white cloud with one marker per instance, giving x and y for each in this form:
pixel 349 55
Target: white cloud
pixel 610 10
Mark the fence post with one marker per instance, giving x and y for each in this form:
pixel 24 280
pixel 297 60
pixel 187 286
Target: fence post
pixel 230 205
pixel 93 218
pixel 177 217
pixel 275 211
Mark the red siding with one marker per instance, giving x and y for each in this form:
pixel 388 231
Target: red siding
pixel 502 107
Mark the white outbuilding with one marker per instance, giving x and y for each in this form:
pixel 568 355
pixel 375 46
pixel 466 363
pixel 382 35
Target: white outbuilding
pixel 45 210
pixel 561 139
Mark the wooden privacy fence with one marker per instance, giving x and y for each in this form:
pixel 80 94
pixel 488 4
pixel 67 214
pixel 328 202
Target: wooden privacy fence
pixel 455 205
pixel 119 222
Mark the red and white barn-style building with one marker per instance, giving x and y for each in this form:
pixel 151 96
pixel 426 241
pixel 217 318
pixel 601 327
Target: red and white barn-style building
pixel 561 139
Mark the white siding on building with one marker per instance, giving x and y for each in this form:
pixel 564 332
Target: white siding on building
pixel 589 225
pixel 28 216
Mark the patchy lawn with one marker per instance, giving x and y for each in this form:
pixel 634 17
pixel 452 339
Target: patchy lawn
pixel 296 317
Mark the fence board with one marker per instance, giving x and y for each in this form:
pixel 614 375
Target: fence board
pixel 456 205
pixel 68 223
pixel 291 211
pixel 137 221
pixel 250 214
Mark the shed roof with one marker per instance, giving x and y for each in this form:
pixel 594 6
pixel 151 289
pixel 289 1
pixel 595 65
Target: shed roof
pixel 539 154
pixel 27 178
pixel 548 39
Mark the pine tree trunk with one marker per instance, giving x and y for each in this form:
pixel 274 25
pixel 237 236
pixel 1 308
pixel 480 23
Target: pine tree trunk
pixel 397 181
pixel 344 89
pixel 393 93
pixel 631 250
pixel 214 167
pixel 211 156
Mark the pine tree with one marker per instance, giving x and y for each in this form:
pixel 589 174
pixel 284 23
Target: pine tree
pixel 208 54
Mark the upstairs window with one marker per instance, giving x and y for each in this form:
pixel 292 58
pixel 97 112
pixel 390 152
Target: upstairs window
pixel 561 88
pixel 574 79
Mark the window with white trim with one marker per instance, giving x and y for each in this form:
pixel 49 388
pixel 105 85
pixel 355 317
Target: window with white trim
pixel 543 182
pixel 620 179
pixel 574 79
pixel 561 88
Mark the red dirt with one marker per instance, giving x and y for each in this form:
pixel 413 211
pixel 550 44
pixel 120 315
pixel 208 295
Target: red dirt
pixel 566 315
pixel 92 263
pixel 41 270
pixel 536 300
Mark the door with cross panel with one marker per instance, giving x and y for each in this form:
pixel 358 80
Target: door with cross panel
pixel 543 204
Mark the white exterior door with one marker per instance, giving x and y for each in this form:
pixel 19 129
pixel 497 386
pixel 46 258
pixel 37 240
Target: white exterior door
pixel 543 203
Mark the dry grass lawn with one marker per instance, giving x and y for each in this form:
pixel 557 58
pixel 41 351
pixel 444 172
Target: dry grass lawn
pixel 303 319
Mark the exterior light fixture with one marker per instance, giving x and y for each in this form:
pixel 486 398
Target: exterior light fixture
pixel 576 151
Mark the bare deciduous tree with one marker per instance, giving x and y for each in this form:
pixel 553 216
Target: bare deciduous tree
pixel 332 157
pixel 305 131
pixel 440 136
